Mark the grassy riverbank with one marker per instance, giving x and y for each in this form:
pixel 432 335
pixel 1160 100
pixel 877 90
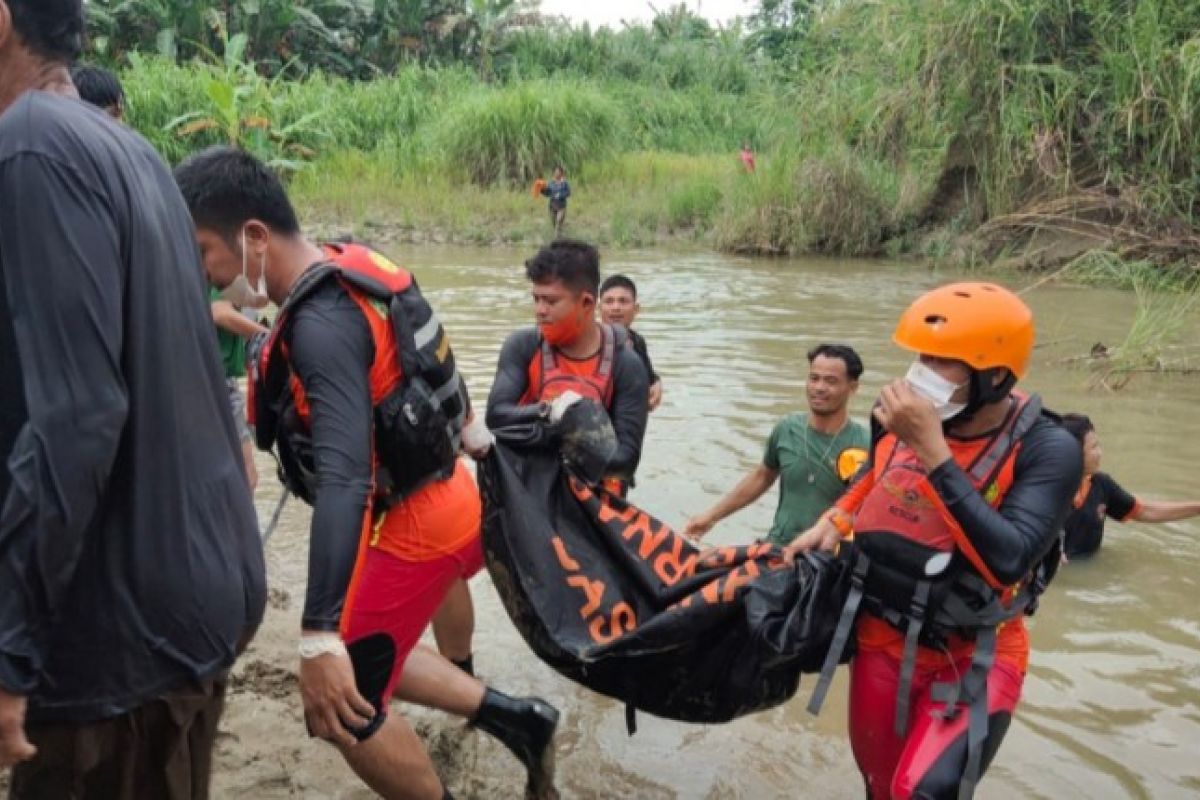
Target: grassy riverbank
pixel 1029 133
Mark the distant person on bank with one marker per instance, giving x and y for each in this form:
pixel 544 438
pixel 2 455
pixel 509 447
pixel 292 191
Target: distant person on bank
pixel 747 156
pixel 558 190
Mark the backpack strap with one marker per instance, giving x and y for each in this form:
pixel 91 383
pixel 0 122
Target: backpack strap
pixel 608 356
pixel 549 362
pixel 989 464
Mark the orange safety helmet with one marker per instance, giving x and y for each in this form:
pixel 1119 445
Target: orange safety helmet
pixel 982 324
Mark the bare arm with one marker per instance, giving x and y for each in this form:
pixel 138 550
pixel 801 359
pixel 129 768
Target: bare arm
pixel 228 318
pixel 748 489
pixel 1163 511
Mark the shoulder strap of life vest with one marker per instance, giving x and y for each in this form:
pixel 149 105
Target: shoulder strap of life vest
pixel 267 367
pixel 604 370
pixel 992 459
pixel 608 356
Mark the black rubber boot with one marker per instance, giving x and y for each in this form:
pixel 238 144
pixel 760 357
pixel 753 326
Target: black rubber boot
pixel 525 725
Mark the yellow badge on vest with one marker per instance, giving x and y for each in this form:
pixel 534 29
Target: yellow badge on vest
pixel 383 262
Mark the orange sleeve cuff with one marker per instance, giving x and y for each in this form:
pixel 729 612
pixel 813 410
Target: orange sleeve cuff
pixel 841 520
pixel 1133 512
pixel 852 500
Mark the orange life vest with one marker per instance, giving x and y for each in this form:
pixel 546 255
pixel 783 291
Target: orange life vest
pixel 386 372
pixel 920 579
pixel 419 400
pixel 551 375
pixel 902 503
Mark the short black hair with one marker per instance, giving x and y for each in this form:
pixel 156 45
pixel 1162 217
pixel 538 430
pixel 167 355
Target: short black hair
pixel 854 364
pixel 225 187
pixel 53 29
pixel 1078 425
pixel 618 282
pixel 575 263
pixel 97 86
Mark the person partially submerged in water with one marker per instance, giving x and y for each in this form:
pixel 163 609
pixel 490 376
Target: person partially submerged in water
pixel 1100 497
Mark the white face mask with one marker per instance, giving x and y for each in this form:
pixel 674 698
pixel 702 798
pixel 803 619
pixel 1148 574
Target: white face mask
pixel 936 389
pixel 239 291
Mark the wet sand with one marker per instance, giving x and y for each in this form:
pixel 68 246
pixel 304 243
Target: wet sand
pixel 264 752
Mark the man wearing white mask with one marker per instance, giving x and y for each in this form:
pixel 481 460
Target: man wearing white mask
pixel 952 529
pixel 357 390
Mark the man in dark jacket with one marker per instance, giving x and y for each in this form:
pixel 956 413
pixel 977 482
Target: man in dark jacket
pixel 130 560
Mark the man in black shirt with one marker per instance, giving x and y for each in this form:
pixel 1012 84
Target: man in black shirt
pixel 1102 497
pixel 130 560
pixel 619 306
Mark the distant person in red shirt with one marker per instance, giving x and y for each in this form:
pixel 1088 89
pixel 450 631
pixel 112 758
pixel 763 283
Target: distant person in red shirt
pixel 747 157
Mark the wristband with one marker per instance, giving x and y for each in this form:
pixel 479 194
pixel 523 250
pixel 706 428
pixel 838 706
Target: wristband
pixel 315 646
pixel 840 520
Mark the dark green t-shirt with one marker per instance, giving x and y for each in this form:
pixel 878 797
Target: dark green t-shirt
pixel 808 467
pixel 232 346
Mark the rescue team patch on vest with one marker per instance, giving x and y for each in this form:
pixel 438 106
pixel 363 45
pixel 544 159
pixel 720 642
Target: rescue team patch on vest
pixel 903 505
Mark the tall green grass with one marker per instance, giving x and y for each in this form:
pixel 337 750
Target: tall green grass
pixel 514 133
pixel 1015 101
pixel 524 126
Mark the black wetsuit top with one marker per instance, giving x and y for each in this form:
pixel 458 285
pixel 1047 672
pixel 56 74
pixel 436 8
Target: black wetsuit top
pixel 630 403
pixel 1084 528
pixel 639 346
pixel 130 558
pixel 1012 539
pixel 331 352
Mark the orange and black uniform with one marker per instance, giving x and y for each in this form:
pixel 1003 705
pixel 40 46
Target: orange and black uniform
pixel 377 577
pixel 998 529
pixel 522 385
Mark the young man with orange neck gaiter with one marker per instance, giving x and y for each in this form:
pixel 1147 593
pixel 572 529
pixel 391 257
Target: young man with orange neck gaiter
pixel 569 351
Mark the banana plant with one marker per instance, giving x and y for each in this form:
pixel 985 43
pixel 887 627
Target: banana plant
pixel 244 109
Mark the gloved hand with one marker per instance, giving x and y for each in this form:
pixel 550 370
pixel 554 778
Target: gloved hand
pixel 561 404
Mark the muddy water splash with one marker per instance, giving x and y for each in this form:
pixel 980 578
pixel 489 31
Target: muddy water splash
pixel 1112 702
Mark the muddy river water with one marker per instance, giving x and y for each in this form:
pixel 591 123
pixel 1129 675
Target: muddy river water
pixel 1112 703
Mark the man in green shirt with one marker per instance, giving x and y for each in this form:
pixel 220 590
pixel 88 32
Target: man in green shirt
pixel 234 328
pixel 813 455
